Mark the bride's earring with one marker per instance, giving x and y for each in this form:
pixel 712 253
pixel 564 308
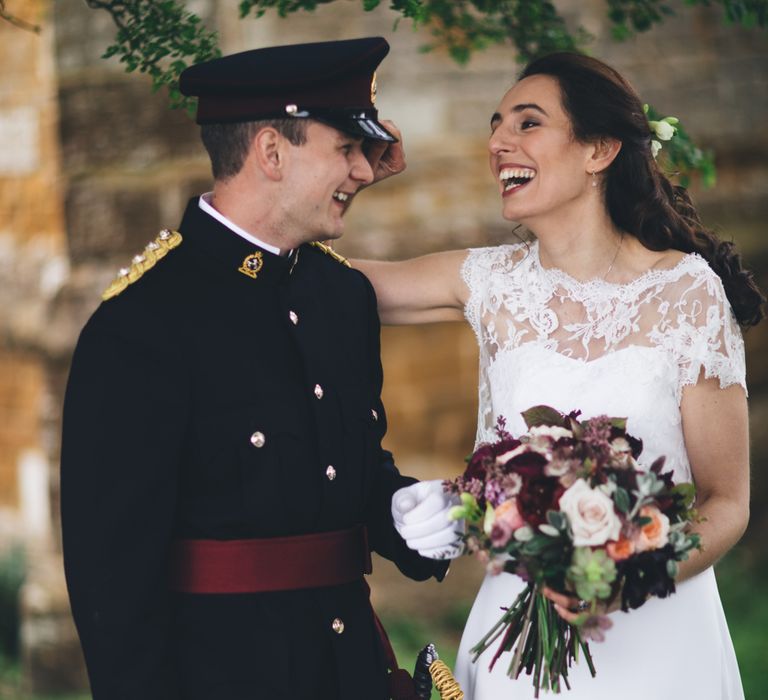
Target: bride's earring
pixel 594 179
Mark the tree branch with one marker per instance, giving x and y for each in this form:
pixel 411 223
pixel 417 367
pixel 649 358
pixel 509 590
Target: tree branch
pixel 16 22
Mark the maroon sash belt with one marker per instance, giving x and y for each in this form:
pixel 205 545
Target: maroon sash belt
pixel 270 564
pixel 283 564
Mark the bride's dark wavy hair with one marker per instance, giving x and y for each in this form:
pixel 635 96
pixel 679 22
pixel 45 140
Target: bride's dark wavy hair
pixel 640 199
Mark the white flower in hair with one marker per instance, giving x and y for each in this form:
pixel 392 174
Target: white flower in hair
pixel 663 129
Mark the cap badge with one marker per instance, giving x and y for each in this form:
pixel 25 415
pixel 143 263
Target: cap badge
pixel 252 264
pixel 373 89
pixel 293 111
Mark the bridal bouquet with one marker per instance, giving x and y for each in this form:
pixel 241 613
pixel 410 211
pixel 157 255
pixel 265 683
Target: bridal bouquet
pixel 566 506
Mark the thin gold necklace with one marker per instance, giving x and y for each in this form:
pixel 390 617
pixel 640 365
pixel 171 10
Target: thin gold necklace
pixel 615 255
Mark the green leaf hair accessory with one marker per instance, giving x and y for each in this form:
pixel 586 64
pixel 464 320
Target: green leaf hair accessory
pixel 664 129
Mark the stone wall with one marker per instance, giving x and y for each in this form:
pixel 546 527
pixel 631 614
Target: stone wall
pixel 93 163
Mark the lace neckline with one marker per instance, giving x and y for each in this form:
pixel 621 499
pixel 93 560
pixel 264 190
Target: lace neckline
pixel 559 277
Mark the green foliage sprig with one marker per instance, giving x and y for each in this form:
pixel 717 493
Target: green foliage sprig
pixel 682 158
pixel 160 39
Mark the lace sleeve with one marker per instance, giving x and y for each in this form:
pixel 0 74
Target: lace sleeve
pixel 702 331
pixel 484 271
pixel 471 273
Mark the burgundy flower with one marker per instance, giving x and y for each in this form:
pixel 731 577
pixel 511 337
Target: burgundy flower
pixel 527 464
pixel 645 574
pixel 538 495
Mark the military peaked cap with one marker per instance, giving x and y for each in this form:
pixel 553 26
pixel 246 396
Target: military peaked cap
pixel 331 81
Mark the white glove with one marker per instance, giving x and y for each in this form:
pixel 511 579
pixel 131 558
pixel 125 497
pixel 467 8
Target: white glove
pixel 420 512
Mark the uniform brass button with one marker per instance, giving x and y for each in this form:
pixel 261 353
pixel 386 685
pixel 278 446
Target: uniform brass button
pixel 318 391
pixel 337 625
pixel 375 414
pixel 330 472
pixel 294 318
pixel 258 439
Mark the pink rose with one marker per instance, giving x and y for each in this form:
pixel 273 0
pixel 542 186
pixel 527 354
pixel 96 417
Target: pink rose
pixel 591 515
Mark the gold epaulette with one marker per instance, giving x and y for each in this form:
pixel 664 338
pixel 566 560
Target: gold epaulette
pixel 330 251
pixel 166 240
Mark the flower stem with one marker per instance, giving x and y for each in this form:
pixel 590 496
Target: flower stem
pixel 514 667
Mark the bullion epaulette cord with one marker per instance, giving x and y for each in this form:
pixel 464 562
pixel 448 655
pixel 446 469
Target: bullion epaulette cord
pixel 330 251
pixel 157 249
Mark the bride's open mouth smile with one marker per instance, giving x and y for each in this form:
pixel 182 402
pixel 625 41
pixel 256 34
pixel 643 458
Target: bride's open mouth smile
pixel 513 179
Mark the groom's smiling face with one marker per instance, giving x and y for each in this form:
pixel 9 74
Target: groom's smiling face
pixel 540 168
pixel 320 178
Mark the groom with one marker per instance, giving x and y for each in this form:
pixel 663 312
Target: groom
pixel 223 481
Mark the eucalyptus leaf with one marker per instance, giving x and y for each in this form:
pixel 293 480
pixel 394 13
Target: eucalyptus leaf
pixel 549 530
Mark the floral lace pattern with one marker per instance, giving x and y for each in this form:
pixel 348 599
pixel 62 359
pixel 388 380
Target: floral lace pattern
pixel 679 317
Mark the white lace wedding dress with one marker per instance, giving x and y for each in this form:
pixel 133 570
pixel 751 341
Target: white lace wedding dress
pixel 621 350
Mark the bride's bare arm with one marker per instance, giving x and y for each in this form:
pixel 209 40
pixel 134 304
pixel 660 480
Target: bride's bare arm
pixel 715 426
pixel 421 290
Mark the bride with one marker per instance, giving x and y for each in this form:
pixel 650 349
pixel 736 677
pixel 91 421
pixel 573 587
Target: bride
pixel 623 304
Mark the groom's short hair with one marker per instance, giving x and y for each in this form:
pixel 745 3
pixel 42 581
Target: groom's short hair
pixel 228 144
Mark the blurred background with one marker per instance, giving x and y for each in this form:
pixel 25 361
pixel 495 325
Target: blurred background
pixel 93 164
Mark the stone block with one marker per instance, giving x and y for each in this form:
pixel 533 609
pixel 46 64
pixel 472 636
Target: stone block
pixel 121 125
pixel 114 218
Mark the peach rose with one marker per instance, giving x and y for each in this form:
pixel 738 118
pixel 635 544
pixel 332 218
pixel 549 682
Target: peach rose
pixel 506 520
pixel 509 513
pixel 622 548
pixel 655 534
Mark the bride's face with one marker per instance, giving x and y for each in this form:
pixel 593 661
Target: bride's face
pixel 541 170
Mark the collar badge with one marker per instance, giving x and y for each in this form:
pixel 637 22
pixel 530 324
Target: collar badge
pixel 252 265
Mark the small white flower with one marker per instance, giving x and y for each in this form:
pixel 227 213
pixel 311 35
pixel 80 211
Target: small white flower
pixel 621 445
pixel 663 129
pixel 553 431
pixel 655 147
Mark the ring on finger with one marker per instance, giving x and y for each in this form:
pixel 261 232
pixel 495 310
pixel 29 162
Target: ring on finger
pixel 582 606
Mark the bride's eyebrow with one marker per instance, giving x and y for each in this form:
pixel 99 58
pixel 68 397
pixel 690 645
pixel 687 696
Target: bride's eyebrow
pixel 529 105
pixel 496 118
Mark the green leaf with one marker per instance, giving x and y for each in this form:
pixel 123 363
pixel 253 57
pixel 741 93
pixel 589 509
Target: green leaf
pixel 543 415
pixel 686 491
pixel 621 499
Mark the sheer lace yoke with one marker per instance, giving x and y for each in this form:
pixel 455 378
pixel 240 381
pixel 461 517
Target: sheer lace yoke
pixel 682 313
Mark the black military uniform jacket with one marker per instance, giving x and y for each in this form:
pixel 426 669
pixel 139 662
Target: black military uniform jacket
pixel 205 402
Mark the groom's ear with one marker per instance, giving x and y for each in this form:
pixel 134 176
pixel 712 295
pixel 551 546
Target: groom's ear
pixel 604 150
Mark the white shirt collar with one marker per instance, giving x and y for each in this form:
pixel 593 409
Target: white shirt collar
pixel 205 204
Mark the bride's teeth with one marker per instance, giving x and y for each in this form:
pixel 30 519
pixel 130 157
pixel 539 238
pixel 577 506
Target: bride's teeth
pixel 341 196
pixel 509 175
